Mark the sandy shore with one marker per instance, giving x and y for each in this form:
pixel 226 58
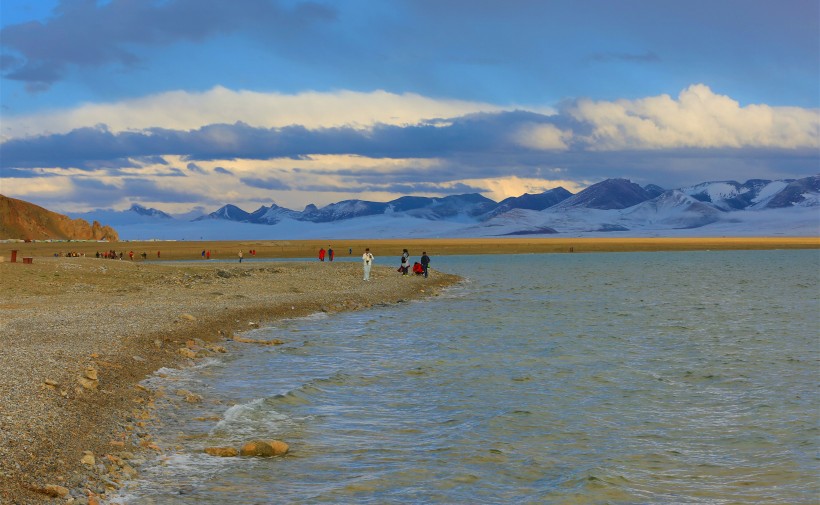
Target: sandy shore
pixel 78 335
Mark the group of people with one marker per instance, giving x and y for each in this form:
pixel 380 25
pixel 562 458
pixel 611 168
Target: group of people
pixel 329 253
pixel 420 267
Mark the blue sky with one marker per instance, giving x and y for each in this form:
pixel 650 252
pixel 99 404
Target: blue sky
pixel 191 104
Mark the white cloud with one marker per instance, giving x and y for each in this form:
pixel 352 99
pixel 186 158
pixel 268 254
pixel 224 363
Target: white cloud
pixel 182 110
pixel 499 188
pixel 545 137
pixel 699 118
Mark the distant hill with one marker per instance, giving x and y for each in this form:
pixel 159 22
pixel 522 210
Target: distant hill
pixel 26 221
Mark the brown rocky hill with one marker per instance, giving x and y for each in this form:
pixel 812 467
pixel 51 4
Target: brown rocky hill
pixel 26 221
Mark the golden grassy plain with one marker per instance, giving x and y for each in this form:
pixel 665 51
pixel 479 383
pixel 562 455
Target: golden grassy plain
pixel 180 250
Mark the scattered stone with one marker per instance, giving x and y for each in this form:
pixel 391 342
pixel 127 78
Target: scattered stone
pixel 188 353
pixel 88 383
pixel 245 340
pixel 88 458
pixel 90 373
pixel 217 348
pixel 222 452
pixel 54 490
pixel 264 448
pixel 187 317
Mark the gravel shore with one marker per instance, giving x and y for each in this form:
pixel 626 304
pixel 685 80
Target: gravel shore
pixel 77 335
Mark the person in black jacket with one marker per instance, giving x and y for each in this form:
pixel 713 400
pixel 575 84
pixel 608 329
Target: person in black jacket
pixel 425 262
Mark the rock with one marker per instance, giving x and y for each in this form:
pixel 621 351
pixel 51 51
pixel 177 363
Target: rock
pixel 51 383
pixel 187 317
pixel 129 472
pixel 90 373
pixel 193 398
pixel 279 448
pixel 264 448
pixel 222 452
pixel 88 459
pixel 217 348
pixel 245 340
pixel 55 491
pixel 88 383
pixel 188 353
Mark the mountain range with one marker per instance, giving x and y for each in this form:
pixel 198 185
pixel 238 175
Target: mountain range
pixel 756 207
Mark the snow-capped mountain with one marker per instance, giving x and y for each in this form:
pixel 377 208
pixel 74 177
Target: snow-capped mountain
pixel 528 201
pixel 143 211
pixel 756 193
pixel 608 194
pixel 229 213
pixel 614 206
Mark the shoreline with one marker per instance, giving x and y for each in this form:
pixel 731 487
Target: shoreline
pixel 79 335
pixel 353 248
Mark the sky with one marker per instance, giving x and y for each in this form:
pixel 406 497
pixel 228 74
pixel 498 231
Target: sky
pixel 188 105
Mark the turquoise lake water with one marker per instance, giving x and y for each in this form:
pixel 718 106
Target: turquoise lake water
pixel 563 378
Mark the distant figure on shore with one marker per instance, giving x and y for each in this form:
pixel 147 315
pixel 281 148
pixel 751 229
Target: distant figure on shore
pixel 203 254
pixel 367 262
pixel 240 256
pixel 131 255
pixel 144 255
pixel 417 268
pixel 208 254
pixel 322 254
pixel 349 251
pixel 330 253
pixel 405 262
pixel 157 254
pixel 425 262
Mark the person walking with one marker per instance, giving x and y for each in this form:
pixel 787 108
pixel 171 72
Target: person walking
pixel 425 262
pixel 240 256
pixel 367 262
pixel 330 253
pixel 322 254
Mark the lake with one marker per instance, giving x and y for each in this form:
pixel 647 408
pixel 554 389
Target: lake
pixel 674 377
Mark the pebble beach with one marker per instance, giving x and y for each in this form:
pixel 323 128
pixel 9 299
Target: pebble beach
pixel 78 335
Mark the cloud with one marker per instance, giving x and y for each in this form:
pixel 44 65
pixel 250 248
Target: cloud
pixel 542 137
pixel 668 141
pixel 699 118
pixel 91 34
pixel 181 110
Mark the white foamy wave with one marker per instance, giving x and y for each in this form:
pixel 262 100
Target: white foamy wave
pixel 253 419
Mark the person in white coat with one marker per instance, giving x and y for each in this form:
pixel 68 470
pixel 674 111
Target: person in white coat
pixel 367 262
